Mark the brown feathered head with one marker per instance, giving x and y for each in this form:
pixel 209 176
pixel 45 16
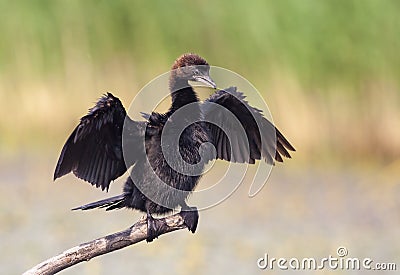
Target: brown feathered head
pixel 190 67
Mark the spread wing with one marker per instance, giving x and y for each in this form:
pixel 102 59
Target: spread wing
pixel 93 152
pixel 257 137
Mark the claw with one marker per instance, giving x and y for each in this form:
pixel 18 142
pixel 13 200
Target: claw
pixel 152 229
pixel 190 217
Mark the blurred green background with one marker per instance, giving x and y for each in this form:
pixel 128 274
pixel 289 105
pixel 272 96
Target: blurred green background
pixel 329 71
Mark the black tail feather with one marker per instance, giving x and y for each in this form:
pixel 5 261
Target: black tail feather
pixel 111 203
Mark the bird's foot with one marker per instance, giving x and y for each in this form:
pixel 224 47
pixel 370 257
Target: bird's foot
pixel 152 229
pixel 190 217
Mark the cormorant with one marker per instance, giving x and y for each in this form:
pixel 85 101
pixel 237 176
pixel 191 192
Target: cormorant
pixel 107 142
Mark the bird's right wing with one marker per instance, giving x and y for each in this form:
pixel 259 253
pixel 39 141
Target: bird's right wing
pixel 93 152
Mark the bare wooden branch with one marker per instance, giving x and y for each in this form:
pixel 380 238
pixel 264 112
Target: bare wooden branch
pixel 104 245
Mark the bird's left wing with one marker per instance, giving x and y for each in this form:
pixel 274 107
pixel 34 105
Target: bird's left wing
pixel 251 136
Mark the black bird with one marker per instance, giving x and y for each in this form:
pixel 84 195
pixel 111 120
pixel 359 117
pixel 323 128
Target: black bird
pixel 107 142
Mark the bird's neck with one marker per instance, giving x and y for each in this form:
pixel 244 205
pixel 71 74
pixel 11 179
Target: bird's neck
pixel 182 97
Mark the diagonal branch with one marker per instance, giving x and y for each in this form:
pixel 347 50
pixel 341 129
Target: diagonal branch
pixel 86 251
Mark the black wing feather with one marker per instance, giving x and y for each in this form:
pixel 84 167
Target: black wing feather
pixel 262 140
pixel 93 152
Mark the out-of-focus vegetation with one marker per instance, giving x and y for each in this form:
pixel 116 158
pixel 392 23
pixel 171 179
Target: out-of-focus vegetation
pixel 328 69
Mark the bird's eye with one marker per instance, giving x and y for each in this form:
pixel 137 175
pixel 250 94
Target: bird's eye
pixel 196 72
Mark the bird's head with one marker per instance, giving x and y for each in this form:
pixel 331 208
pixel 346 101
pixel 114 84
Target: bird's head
pixel 190 69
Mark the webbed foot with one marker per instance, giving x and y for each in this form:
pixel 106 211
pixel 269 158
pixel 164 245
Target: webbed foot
pixel 190 217
pixel 152 229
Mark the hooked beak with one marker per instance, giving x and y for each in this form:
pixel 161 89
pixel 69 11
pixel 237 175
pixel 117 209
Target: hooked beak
pixel 204 79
